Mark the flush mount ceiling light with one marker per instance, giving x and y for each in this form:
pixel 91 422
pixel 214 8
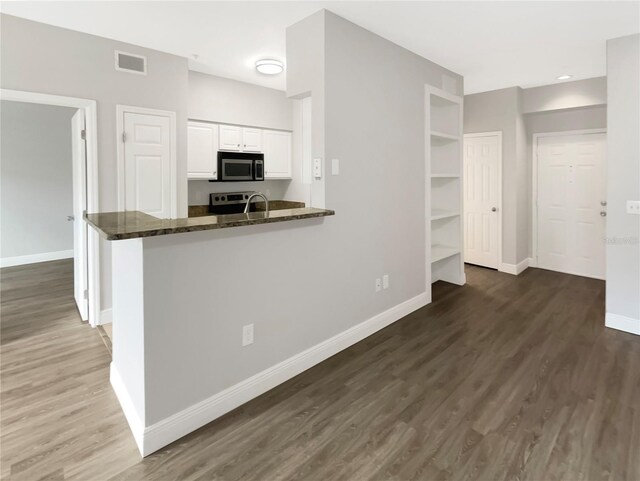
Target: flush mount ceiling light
pixel 269 66
pixel 564 77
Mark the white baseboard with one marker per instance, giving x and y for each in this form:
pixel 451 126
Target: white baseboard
pixel 622 323
pixel 181 423
pixel 135 423
pixel 106 316
pixel 515 269
pixel 34 258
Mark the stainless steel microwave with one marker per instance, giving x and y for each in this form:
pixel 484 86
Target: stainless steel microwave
pixel 240 167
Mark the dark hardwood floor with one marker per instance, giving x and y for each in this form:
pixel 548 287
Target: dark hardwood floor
pixel 504 378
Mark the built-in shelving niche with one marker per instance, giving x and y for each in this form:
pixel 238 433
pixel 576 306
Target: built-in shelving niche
pixel 444 159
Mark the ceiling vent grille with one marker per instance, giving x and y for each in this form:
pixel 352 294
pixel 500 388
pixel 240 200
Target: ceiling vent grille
pixel 128 62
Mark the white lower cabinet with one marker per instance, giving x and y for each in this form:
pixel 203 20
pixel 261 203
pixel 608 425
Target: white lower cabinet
pixel 202 150
pixel 276 146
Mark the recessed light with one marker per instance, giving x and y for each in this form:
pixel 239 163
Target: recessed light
pixel 269 66
pixel 564 77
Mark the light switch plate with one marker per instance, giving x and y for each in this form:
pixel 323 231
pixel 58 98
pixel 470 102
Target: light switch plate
pixel 317 168
pixel 633 207
pixel 335 166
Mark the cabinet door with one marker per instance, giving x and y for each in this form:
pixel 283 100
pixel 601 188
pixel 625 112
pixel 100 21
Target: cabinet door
pixel 251 139
pixel 230 137
pixel 277 154
pixel 202 149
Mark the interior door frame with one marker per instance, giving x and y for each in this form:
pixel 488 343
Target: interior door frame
pixel 533 262
pixel 498 134
pixel 121 110
pixel 92 181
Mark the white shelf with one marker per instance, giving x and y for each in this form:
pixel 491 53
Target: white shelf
pixel 444 206
pixel 445 176
pixel 444 136
pixel 443 99
pixel 437 214
pixel 439 252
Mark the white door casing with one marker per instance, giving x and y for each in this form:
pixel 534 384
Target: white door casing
pixel 147 162
pixel 90 182
pixel 482 199
pixel 569 229
pixel 80 269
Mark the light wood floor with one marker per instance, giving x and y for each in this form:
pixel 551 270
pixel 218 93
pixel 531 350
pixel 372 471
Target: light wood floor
pixel 504 378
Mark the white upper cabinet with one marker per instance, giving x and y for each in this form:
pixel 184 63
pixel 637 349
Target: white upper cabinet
pixel 251 139
pixel 277 154
pixel 230 137
pixel 205 139
pixel 202 150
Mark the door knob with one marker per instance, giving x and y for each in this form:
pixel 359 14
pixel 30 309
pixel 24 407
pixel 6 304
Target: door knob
pixel 494 209
pixel 70 218
pixel 603 213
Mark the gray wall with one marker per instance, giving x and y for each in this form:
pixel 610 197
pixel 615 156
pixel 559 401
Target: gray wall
pixel 498 110
pixel 217 99
pixel 36 179
pixel 46 59
pixel 623 178
pixel 309 280
pixel 553 108
pixel 566 95
pixel 571 119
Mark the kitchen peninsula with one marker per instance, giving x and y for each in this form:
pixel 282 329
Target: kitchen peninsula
pixel 134 224
pixel 182 303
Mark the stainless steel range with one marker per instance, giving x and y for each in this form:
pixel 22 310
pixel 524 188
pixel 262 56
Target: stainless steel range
pixel 231 202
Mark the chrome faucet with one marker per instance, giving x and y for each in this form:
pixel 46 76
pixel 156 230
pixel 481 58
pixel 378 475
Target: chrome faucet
pixel 257 194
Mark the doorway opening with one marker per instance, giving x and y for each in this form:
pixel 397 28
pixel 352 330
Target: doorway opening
pixel 76 117
pixel 482 204
pixel 569 202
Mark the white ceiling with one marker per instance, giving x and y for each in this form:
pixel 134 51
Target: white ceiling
pixel 492 44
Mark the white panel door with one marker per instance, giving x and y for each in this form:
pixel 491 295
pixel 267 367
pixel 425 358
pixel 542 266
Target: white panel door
pixel 230 137
pixel 571 193
pixel 147 164
pixel 277 154
pixel 80 268
pixel 251 139
pixel 202 150
pixel 481 194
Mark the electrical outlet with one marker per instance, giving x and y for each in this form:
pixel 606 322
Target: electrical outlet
pixel 247 335
pixel 378 285
pixel 385 281
pixel 633 207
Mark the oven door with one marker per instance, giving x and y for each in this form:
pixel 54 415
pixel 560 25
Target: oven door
pixel 235 169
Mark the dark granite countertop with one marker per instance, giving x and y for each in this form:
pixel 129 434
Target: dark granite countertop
pixel 134 224
pixel 201 210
